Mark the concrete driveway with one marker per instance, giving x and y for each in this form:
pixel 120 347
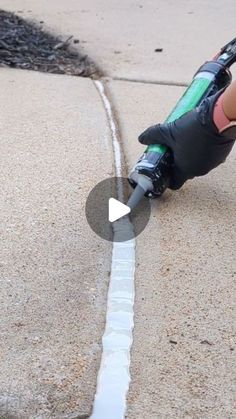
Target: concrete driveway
pixel 183 356
pixel 54 269
pixel 123 35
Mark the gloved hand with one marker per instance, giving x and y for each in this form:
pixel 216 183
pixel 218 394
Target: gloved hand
pixel 195 141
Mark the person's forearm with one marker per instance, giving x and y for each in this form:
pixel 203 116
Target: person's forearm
pixel 229 101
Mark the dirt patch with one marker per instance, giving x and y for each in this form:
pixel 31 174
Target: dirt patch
pixel 26 45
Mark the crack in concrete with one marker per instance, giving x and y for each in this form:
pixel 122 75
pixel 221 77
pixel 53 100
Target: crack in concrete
pixel 114 376
pixel 144 81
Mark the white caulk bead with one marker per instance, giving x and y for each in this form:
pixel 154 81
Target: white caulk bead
pixel 114 376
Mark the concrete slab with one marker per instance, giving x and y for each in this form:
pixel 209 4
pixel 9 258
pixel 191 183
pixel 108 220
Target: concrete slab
pixel 123 35
pixel 183 356
pixel 182 359
pixel 54 269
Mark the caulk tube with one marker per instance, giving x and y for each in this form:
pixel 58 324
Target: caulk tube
pixel 156 161
pixel 144 184
pixel 209 79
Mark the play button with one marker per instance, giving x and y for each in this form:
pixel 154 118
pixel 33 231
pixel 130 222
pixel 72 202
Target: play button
pixel 117 210
pixel 105 211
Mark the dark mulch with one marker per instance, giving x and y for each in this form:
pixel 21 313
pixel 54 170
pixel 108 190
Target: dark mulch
pixel 25 44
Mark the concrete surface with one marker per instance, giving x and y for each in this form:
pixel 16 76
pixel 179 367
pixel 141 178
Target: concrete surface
pixel 123 35
pixel 54 269
pixel 183 356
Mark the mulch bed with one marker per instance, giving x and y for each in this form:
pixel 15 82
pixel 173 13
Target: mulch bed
pixel 26 45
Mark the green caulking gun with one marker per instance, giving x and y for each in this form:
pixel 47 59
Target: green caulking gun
pixel 150 176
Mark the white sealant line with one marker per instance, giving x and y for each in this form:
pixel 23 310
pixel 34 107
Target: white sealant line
pixel 115 142
pixel 114 376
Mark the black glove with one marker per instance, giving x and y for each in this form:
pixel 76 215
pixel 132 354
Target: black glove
pixel 194 140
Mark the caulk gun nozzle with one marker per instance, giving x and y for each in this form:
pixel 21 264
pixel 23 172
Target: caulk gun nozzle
pixel 136 196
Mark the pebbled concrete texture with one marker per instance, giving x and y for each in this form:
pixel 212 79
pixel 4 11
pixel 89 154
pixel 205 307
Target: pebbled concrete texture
pixel 54 269
pixel 122 35
pixel 183 355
